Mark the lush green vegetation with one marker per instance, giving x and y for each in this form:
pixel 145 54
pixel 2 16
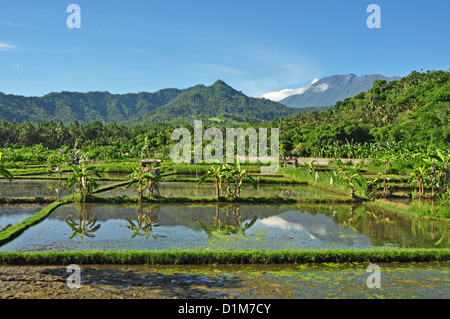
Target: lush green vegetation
pixel 398 131
pixel 202 257
pixel 217 103
pixel 414 111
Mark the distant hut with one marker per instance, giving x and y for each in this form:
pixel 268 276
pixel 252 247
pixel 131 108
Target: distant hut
pixel 152 163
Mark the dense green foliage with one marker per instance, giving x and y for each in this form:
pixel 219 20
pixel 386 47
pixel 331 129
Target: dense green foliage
pixel 414 110
pixel 402 126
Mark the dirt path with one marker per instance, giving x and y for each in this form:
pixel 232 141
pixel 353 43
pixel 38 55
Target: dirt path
pixel 224 282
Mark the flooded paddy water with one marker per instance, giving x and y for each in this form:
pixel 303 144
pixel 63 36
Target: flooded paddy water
pixel 38 188
pixel 181 226
pixel 11 214
pixel 183 189
pixel 94 226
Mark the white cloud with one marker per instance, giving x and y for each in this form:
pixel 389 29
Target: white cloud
pixel 279 222
pixel 17 66
pixel 321 88
pixel 6 46
pixel 280 95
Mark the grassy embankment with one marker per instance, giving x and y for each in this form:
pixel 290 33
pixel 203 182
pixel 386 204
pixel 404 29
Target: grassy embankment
pixel 203 257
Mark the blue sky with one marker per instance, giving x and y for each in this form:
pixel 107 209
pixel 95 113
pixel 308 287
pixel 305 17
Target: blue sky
pixel 256 46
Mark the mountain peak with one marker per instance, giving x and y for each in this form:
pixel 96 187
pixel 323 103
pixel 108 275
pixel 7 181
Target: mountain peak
pixel 327 91
pixel 220 83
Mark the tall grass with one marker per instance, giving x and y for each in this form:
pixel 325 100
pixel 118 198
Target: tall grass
pixel 326 179
pixel 203 257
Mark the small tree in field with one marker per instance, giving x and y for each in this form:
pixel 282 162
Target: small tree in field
pixel 84 177
pixel 218 172
pixel 4 172
pixel 351 174
pixel 144 180
pixel 241 175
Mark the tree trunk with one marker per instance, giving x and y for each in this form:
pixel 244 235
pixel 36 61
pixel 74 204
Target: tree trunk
pixel 217 189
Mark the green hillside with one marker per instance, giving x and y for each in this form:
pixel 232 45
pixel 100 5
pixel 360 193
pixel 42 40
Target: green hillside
pixel 415 109
pixel 218 101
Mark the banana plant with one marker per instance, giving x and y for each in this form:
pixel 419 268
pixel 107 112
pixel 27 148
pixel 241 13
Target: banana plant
pixel 418 178
pixel 441 167
pixel 144 180
pixel 226 227
pixel 351 174
pixel 311 167
pixel 4 172
pixel 241 175
pixel 386 188
pixel 218 172
pixel 84 177
pixel 373 186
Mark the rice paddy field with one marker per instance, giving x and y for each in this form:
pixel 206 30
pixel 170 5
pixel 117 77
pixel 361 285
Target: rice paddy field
pixel 289 237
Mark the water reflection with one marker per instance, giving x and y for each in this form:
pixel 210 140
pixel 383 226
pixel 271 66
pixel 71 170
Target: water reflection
pixel 226 226
pixel 227 221
pixel 86 224
pixel 397 230
pixel 144 223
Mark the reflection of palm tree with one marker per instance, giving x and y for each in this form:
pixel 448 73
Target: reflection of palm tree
pixel 230 225
pixel 144 223
pixel 86 224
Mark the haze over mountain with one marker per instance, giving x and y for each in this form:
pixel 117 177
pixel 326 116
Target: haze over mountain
pixel 218 101
pixel 327 91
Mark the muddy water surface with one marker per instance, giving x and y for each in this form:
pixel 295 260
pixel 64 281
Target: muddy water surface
pixel 314 281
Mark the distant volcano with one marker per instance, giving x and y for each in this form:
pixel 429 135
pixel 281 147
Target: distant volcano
pixel 327 91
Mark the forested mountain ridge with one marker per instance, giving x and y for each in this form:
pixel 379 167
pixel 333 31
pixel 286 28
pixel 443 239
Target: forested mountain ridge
pixel 218 100
pixel 414 110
